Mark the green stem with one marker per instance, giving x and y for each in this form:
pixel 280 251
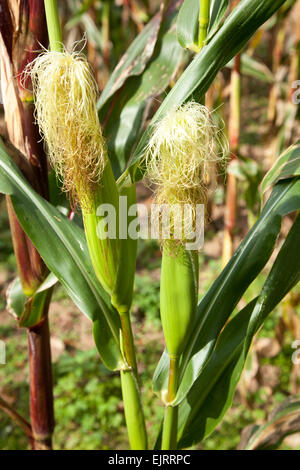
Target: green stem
pixel 105 33
pixel 53 25
pixel 203 21
pixel 204 13
pixel 169 436
pixel 129 378
pixel 128 344
pixel 133 407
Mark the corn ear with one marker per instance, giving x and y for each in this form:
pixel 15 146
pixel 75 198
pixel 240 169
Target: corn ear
pixel 123 291
pixel 104 251
pixel 178 296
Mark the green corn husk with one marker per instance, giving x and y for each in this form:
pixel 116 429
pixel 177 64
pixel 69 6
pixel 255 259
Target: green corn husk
pixel 181 159
pixel 65 99
pixel 104 252
pixel 123 290
pixel 178 296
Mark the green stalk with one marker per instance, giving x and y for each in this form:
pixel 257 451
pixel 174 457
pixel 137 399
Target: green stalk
pixel 114 262
pixel 127 342
pixel 105 33
pixel 114 269
pixel 133 407
pixel 53 25
pixel 203 21
pixel 169 436
pixel 179 295
pixel 121 299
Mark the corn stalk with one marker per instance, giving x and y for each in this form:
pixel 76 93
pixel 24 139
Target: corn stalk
pixel 22 32
pixel 198 375
pixel 179 272
pixel 113 261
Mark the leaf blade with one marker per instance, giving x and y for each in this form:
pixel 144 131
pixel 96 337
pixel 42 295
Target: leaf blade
pixel 62 245
pixel 198 76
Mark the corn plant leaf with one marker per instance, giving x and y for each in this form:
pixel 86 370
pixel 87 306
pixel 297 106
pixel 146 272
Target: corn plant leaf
pixel 217 11
pixel 227 349
pixel 216 384
pixel 246 263
pixel 93 33
pixel 161 375
pixel 59 198
pixel 188 21
pixel 282 421
pixel 251 67
pixel 134 60
pixel 124 116
pixel 29 310
pixel 212 393
pixel 62 245
pixel 285 273
pixel 188 24
pixel 245 19
pixel 34 309
pixel 286 166
pixel 221 299
pixel 15 298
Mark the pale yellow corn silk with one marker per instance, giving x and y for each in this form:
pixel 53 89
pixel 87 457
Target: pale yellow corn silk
pixel 65 100
pixel 181 159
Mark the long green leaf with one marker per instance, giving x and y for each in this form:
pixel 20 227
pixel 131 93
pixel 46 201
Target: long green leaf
pixel 188 24
pixel 134 60
pixel 245 19
pixel 217 12
pixel 124 114
pixel 286 166
pixel 29 311
pixel 284 275
pixel 221 299
pixel 212 393
pixel 62 245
